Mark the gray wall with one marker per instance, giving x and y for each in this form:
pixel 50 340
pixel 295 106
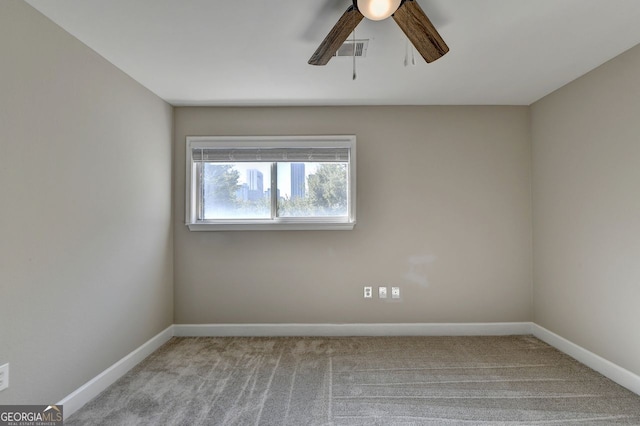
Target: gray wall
pixel 444 212
pixel 85 212
pixel 586 175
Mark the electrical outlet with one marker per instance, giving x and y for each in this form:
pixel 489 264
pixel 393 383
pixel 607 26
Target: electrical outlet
pixel 4 376
pixel 395 292
pixel 368 292
pixel 382 292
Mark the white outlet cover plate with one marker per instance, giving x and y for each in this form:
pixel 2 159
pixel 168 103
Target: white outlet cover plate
pixel 382 292
pixel 368 292
pixel 395 292
pixel 4 376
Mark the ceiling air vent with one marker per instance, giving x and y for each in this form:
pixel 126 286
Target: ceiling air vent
pixel 347 48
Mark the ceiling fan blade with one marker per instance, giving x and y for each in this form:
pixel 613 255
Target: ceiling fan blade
pixel 423 35
pixel 337 36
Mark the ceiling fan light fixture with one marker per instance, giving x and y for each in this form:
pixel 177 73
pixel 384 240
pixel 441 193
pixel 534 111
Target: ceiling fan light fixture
pixel 377 10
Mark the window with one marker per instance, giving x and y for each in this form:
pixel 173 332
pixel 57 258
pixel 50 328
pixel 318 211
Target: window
pixel 268 183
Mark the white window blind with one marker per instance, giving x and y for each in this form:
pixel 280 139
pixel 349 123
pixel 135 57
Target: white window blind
pixel 252 155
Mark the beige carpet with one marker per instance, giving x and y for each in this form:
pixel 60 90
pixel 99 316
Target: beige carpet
pixel 361 381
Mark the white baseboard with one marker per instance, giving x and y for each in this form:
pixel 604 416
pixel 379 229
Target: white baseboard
pixel 608 369
pixel 409 329
pixel 93 387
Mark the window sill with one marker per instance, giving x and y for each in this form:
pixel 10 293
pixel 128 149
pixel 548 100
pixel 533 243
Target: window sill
pixel 290 226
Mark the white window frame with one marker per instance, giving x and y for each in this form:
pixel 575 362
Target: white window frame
pixel 276 223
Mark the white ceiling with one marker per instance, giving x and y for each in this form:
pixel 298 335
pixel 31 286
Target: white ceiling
pixel 255 52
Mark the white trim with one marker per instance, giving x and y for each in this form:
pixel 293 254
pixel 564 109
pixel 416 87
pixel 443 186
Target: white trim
pixel 409 329
pixel 93 387
pixel 271 226
pixel 605 367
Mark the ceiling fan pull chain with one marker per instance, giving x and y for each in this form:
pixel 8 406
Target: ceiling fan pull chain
pixel 406 53
pixel 354 54
pixel 408 45
pixel 413 56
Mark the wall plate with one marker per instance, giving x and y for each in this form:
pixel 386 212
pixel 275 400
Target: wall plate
pixel 395 292
pixel 4 376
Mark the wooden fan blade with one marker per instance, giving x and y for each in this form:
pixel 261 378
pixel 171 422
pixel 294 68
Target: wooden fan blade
pixel 423 35
pixel 337 36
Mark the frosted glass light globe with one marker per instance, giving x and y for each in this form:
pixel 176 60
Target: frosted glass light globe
pixel 377 10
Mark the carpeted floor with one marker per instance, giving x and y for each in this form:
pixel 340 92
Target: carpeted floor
pixel 361 381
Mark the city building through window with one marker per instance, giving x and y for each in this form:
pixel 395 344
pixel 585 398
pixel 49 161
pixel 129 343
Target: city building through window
pixel 267 183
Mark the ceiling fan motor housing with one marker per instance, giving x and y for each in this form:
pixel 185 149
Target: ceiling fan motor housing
pixel 377 10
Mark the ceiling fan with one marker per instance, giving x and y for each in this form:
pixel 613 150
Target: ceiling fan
pixel 408 15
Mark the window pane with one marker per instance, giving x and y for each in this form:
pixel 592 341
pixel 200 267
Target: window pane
pixel 312 189
pixel 236 190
